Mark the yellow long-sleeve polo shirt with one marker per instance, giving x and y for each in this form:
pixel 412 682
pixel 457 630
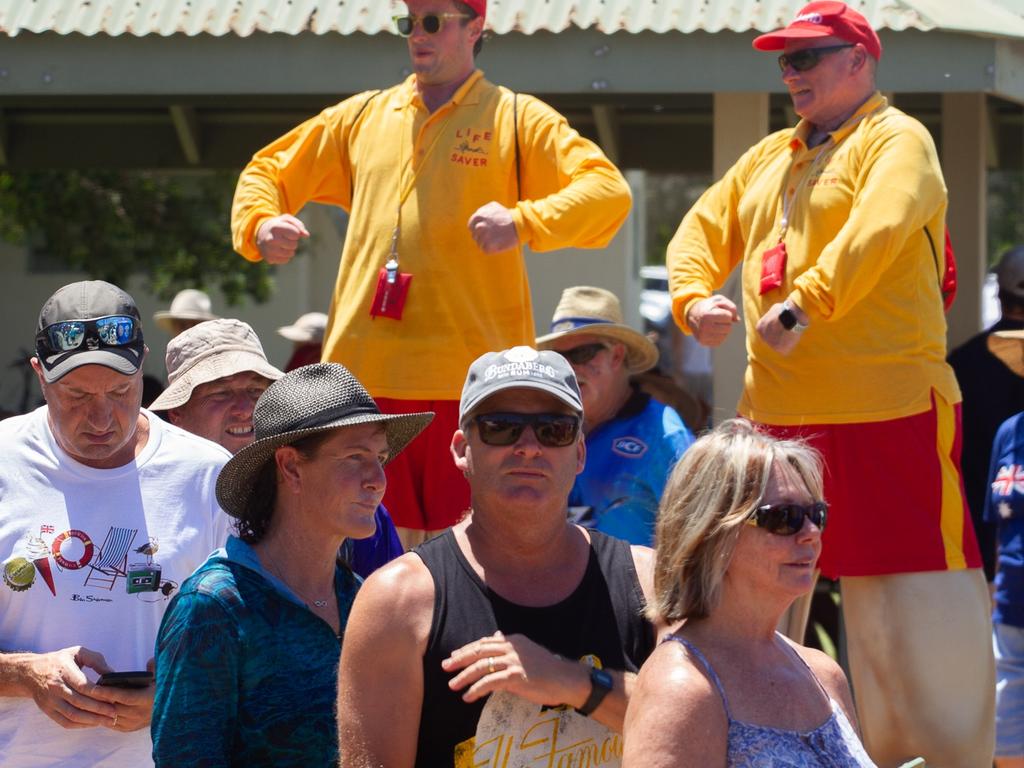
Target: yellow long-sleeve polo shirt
pixel 462 302
pixel 865 257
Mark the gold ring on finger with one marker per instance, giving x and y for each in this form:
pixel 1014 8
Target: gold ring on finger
pixel 490 665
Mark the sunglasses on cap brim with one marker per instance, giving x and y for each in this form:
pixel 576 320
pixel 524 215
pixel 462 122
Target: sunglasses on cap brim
pixel 788 519
pixel 553 430
pixel 109 331
pixel 431 22
pixel 808 58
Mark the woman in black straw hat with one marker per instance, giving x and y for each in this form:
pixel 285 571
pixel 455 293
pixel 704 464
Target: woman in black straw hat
pixel 248 650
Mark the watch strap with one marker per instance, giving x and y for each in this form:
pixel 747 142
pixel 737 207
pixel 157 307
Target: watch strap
pixel 601 684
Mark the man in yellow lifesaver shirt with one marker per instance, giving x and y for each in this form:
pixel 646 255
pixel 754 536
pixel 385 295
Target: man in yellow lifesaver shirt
pixel 445 176
pixel 839 227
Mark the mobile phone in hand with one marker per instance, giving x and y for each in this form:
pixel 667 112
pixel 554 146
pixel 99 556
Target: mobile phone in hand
pixel 141 679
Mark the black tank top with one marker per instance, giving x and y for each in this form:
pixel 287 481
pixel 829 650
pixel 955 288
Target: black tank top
pixel 603 619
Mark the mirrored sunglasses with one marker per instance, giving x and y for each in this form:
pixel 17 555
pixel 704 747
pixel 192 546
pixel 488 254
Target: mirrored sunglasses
pixel 788 519
pixel 808 58
pixel 553 430
pixel 431 22
pixel 583 354
pixel 69 335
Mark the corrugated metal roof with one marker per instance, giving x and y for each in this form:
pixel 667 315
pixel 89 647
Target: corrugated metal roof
pixel 244 17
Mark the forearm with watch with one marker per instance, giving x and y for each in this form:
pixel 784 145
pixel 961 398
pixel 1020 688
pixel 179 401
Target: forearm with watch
pixel 792 318
pixel 607 694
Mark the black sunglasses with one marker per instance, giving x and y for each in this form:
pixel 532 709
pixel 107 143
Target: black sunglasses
pixel 432 22
pixel 808 58
pixel 553 430
pixel 583 354
pixel 68 335
pixel 788 519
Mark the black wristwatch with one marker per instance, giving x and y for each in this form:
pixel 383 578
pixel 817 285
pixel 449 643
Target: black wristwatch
pixel 788 320
pixel 601 684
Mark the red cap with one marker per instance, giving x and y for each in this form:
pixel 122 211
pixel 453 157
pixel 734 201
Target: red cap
pixel 480 6
pixel 824 18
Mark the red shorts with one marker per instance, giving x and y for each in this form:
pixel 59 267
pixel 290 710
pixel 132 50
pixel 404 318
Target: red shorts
pixel 895 494
pixel 425 491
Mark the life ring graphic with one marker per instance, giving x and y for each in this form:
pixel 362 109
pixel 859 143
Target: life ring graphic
pixel 61 553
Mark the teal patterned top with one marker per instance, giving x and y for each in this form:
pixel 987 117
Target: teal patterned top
pixel 245 673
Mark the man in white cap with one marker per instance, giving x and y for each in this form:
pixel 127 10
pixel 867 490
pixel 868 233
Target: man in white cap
pixel 307 337
pixel 106 510
pixel 189 307
pixel 633 440
pixel 217 371
pixel 837 227
pixel 515 636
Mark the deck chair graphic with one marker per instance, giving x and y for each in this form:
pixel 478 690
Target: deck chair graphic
pixel 113 559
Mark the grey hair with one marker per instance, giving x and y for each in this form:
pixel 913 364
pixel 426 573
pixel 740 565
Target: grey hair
pixel 712 491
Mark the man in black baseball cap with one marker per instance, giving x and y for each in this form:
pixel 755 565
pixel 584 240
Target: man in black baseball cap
pixel 106 509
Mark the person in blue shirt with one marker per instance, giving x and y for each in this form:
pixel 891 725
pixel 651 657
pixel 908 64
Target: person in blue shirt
pixel 247 654
pixel 633 440
pixel 1004 507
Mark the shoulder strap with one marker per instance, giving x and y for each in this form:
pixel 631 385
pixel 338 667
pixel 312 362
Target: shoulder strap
pixel 365 104
pixel 515 133
pixel 712 675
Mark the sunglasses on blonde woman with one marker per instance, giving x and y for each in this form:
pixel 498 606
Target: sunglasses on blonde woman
pixel 788 519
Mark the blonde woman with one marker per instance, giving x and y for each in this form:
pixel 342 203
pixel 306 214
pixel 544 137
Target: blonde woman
pixel 739 533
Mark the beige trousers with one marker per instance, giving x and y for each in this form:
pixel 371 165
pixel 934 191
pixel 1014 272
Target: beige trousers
pixel 923 675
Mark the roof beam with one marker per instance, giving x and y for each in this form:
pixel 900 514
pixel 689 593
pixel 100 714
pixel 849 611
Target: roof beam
pixel 607 130
pixel 187 127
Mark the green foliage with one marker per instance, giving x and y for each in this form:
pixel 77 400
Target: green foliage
pixel 109 224
pixel 1005 212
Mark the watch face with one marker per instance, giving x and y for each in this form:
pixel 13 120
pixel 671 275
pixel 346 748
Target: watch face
pixel 603 678
pixel 788 319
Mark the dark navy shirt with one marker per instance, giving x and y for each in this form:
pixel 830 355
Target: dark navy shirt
pixel 1004 506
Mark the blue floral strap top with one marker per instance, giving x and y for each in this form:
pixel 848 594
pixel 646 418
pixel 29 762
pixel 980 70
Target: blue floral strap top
pixel 833 744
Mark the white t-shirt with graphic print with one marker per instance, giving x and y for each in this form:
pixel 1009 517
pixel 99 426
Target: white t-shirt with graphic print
pixel 92 557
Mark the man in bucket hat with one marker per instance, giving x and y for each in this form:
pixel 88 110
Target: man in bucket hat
pixel 633 440
pixel 511 623
pixel 307 337
pixel 248 651
pixel 838 228
pixel 217 371
pixel 106 510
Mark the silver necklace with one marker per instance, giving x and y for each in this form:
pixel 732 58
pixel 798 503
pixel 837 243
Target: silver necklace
pixel 273 567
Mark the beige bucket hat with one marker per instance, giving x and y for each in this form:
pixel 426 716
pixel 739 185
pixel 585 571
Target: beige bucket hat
pixel 207 352
pixel 308 329
pixel 189 304
pixel 1008 346
pixel 586 310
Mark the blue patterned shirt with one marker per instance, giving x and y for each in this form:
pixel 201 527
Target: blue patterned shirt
pixel 628 462
pixel 246 674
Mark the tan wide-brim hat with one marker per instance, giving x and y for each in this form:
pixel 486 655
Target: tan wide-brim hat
pixel 189 304
pixel 308 329
pixel 586 310
pixel 212 350
pixel 1008 346
pixel 311 399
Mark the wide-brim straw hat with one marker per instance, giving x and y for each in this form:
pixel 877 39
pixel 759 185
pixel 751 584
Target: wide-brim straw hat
pixel 586 310
pixel 209 351
pixel 189 304
pixel 311 399
pixel 308 329
pixel 1008 346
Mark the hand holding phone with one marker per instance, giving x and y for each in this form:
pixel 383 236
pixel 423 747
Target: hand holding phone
pixel 140 679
